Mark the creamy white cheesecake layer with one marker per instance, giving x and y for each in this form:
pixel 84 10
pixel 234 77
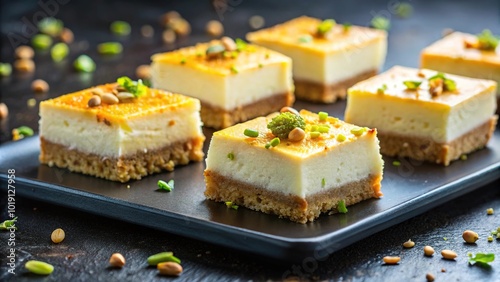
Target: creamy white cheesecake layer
pixel 79 130
pixel 330 68
pixel 301 176
pixel 227 92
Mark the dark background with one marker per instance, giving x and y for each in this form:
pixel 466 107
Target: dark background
pixel 91 240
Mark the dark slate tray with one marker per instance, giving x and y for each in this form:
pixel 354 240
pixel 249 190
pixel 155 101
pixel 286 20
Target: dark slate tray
pixel 409 189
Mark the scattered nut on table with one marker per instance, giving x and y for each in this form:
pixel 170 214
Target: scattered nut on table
pixel 117 260
pixel 409 244
pixel 57 236
pixel 40 86
pixel 428 251
pixel 391 260
pixel 169 268
pixel 448 254
pixel 470 236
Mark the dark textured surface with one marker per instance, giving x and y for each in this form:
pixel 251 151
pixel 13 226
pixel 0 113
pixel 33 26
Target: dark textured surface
pixel 91 240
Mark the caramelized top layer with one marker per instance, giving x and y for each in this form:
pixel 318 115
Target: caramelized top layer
pixel 300 33
pixel 454 46
pixel 154 101
pixel 231 62
pixel 392 80
pixel 308 146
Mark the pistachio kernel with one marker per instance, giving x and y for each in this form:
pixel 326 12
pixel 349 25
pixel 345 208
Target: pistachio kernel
pixel 215 51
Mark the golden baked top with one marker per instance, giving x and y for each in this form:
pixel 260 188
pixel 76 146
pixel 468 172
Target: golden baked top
pixel 419 85
pixel 321 134
pixel 152 101
pixel 456 45
pixel 242 57
pixel 302 32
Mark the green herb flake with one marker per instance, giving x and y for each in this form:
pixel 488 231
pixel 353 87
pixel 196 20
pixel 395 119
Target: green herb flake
pixel 325 26
pixel 5 69
pixel 411 84
pixel 9 223
pixel 230 156
pixel 305 38
pixel 84 64
pixel 231 205
pixel 323 182
pixel 41 41
pixel 261 65
pixel 444 238
pixel 234 69
pixel 482 258
pixel 183 61
pixel 487 41
pixel 403 9
pixel 341 206
pixel 121 28
pixel 25 131
pixel 167 186
pixel 59 51
pixel 347 26
pixel 241 45
pixel 323 116
pixel 382 89
pixel 396 163
pixel 137 88
pixel 51 26
pixel 110 48
pixel 381 22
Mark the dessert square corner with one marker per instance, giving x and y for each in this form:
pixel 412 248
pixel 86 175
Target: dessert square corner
pixel 234 83
pixel 418 117
pixel 122 140
pixel 297 180
pixel 325 64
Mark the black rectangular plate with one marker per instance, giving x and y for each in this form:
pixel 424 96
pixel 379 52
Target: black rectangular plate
pixel 409 189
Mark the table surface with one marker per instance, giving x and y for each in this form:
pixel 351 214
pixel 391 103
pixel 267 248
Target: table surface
pixel 90 240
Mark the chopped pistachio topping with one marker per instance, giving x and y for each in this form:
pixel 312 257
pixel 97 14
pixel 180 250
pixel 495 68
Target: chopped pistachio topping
pixel 59 51
pixel 183 61
pixel 314 134
pixel 325 26
pixel 261 65
pixel 137 88
pixel 230 204
pixel 305 38
pixel 463 157
pixel 41 41
pixel 381 22
pixel 487 41
pixel 314 128
pixel 5 69
pixel 347 26
pixel 120 28
pixel 396 163
pixel 282 124
pixel 9 223
pixel 323 182
pixel 275 142
pixel 84 64
pixel 230 156
pixel 323 128
pixel 448 84
pixel 412 84
pixel 358 131
pixel 199 54
pixel 403 9
pixel 241 45
pixel 25 131
pixel 234 69
pixel 166 186
pixel 51 26
pixel 251 133
pixel 110 48
pixel 323 116
pixel 341 206
pixel 381 89
pixel 341 137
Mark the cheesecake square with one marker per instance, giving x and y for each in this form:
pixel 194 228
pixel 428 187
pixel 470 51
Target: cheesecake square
pixel 317 167
pixel 109 133
pixel 464 54
pixel 327 57
pixel 424 114
pixel 234 81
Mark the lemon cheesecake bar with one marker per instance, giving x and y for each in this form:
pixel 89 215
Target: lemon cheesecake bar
pixel 327 57
pixel 465 54
pixel 294 165
pixel 120 133
pixel 424 114
pixel 234 81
